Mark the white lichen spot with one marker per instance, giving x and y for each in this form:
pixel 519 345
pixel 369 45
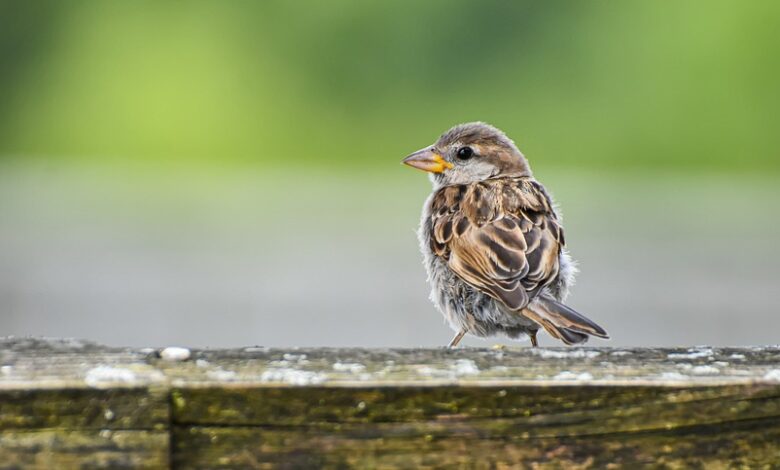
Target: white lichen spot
pixel 297 358
pixel 102 376
pixel 773 375
pixel 174 353
pixel 202 363
pixel 221 375
pixel 351 367
pixel 427 371
pixel 569 354
pixel 705 370
pixel 361 406
pixel 620 353
pixel 673 376
pixel 465 367
pixel 737 356
pixel 255 349
pixel 292 376
pixel 458 368
pixel 692 354
pixel 568 375
pixel 720 363
pixel 108 414
pixel 6 370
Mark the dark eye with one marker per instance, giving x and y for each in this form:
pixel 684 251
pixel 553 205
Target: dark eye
pixel 464 153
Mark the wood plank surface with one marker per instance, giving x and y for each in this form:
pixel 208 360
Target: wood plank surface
pixel 54 449
pixel 749 445
pixel 74 404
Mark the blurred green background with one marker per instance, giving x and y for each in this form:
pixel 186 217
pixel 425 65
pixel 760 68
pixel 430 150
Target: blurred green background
pixel 226 173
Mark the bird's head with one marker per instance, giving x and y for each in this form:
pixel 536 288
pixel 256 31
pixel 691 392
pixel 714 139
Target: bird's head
pixel 468 153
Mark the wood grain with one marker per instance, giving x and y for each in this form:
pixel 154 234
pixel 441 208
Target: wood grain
pixel 72 404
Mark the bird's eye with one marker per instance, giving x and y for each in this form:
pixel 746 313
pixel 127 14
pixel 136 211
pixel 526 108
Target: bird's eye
pixel 464 153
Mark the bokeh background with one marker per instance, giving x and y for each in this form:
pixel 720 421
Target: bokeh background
pixel 227 173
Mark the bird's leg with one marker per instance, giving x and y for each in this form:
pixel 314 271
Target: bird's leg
pixel 532 335
pixel 457 338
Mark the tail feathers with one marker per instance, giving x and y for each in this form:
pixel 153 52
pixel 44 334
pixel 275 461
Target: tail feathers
pixel 572 337
pixel 562 322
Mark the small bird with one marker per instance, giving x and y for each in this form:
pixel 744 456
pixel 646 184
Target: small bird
pixel 492 243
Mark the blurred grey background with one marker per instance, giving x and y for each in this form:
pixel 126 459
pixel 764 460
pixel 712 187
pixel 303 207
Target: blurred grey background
pixel 227 174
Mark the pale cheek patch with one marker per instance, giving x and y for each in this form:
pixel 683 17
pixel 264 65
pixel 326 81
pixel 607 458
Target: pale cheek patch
pixel 481 170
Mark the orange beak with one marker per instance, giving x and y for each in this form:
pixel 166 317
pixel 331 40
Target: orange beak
pixel 427 160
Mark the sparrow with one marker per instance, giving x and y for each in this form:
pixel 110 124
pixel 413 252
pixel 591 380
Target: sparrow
pixel 492 243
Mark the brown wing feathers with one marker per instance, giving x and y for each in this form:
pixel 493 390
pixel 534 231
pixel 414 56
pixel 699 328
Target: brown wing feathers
pixel 492 259
pixel 502 236
pixel 498 235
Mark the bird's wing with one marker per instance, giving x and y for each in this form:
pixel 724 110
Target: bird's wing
pixel 500 236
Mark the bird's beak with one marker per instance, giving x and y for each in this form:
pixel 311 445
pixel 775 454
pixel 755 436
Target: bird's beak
pixel 427 160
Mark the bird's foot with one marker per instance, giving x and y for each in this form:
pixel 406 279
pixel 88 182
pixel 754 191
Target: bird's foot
pixel 456 339
pixel 532 335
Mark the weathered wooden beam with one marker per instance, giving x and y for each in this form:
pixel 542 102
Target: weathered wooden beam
pixel 63 448
pixel 65 404
pixel 72 404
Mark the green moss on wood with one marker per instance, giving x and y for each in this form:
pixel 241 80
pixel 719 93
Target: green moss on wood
pixel 68 404
pixel 750 445
pixel 70 449
pixel 533 410
pixel 83 408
